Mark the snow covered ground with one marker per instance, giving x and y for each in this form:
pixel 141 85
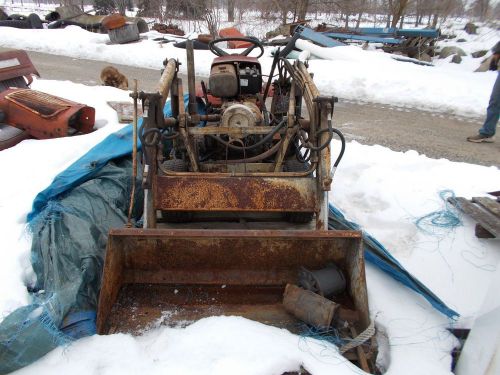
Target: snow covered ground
pixel 348 72
pixel 383 190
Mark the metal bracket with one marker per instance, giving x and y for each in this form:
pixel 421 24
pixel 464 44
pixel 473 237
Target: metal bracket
pixel 328 100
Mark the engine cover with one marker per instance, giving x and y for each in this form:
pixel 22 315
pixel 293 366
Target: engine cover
pixel 250 79
pixel 241 115
pixel 223 82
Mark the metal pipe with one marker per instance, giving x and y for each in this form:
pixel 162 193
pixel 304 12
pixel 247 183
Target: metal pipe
pixel 166 80
pixel 134 157
pixel 245 174
pixel 190 70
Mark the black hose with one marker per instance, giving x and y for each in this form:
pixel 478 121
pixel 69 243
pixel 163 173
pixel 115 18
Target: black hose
pixel 270 79
pixel 157 135
pixel 144 133
pixel 259 157
pixel 342 148
pixel 307 145
pixel 264 140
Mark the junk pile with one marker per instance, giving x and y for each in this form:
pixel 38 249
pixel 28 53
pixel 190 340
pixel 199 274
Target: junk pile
pixel 19 21
pixel 412 42
pixel 418 44
pixel 72 15
pixel 119 30
pixel 168 29
pixel 26 113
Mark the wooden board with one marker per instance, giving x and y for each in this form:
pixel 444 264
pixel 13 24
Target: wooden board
pixel 485 211
pixel 125 111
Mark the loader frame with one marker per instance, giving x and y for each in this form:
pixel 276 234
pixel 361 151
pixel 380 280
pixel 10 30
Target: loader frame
pixel 223 267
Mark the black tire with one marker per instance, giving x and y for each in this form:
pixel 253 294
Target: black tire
pixel 16 24
pixel 52 16
pixel 293 165
pixel 176 165
pixel 35 21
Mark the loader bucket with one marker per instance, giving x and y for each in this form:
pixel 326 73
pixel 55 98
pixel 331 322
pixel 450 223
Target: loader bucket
pixel 168 276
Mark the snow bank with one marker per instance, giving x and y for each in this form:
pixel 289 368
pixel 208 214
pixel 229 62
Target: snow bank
pixel 349 72
pixel 219 345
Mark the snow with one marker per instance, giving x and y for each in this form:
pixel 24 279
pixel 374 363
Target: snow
pixel 383 190
pixel 219 345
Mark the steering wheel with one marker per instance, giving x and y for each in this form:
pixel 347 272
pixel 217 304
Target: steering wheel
pixel 219 52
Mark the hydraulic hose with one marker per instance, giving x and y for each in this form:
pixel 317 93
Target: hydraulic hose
pixel 264 140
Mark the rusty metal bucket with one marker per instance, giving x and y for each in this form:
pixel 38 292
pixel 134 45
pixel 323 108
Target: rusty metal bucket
pixel 167 276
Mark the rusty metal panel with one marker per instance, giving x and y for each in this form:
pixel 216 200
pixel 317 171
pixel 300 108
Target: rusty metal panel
pixel 208 193
pixel 254 266
pixel 43 115
pixel 16 64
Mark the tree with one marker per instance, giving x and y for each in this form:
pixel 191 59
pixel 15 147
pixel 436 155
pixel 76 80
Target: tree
pixel 104 6
pixel 397 9
pixel 480 8
pixel 302 10
pixel 230 10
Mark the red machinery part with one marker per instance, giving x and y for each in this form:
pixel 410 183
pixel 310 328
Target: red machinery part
pixel 113 21
pixel 234 32
pixel 15 64
pixel 43 115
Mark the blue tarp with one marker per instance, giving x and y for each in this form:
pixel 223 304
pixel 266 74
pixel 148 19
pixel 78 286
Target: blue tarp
pixel 114 146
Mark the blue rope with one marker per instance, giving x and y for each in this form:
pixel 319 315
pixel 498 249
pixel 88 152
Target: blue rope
pixel 446 218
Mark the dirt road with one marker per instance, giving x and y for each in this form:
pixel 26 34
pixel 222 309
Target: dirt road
pixel 401 129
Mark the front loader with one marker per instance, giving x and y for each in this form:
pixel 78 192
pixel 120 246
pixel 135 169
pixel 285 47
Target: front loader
pixel 235 201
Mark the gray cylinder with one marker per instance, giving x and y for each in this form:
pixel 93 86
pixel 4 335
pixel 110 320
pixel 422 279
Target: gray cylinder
pixel 326 282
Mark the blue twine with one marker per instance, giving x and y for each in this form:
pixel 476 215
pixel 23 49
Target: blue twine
pixel 330 335
pixel 446 218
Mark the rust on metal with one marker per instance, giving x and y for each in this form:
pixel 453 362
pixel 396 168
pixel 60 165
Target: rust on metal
pixel 40 103
pixel 235 194
pixel 45 116
pixel 15 64
pixel 309 307
pixel 258 262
